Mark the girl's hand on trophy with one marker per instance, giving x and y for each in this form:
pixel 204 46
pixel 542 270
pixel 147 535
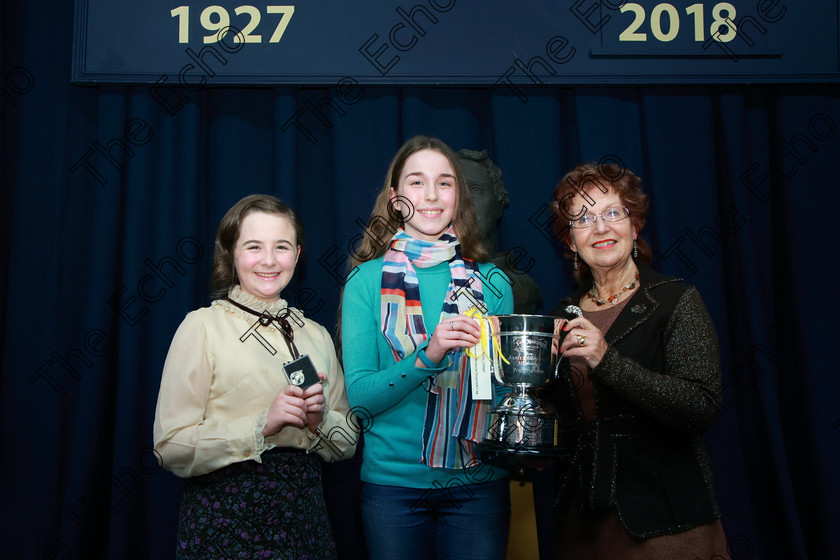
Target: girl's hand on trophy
pixel 585 340
pixel 459 331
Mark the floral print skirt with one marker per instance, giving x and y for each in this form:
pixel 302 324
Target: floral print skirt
pixel 274 509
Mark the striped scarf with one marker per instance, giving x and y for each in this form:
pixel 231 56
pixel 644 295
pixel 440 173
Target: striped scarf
pixel 453 419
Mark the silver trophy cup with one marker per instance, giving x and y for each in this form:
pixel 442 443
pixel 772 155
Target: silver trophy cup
pixel 530 343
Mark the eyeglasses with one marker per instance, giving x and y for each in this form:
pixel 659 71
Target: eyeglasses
pixel 611 214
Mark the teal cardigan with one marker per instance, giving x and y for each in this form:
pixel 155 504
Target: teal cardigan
pixel 390 394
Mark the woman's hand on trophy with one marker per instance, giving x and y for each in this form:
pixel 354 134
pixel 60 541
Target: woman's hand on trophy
pixel 458 331
pixel 585 340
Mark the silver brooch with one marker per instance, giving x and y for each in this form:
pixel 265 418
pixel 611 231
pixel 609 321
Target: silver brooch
pixel 638 309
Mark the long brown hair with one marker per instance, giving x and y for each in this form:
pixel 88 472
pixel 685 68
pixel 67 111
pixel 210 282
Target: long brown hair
pixel 385 219
pixel 224 271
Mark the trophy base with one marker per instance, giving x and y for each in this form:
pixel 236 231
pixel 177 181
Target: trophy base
pixel 522 439
pixel 519 459
pixel 523 427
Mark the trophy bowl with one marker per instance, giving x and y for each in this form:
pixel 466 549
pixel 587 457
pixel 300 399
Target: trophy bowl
pixel 527 341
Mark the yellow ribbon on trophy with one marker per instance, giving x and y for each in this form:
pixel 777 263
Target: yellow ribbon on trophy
pixel 488 329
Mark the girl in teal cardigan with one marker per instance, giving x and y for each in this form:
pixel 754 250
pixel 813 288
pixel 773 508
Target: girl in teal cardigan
pixel 404 335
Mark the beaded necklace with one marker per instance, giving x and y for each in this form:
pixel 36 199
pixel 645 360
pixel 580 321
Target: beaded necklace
pixel 593 292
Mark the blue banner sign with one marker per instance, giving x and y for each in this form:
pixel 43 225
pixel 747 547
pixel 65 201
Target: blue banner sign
pixel 456 42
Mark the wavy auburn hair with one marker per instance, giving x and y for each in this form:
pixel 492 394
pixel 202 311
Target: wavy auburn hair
pixel 593 175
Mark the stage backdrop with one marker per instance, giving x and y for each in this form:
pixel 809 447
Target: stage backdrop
pixel 111 196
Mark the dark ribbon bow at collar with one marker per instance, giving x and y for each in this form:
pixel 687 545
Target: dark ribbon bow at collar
pixel 280 321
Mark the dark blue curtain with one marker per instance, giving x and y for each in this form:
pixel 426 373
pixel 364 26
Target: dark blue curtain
pixel 111 196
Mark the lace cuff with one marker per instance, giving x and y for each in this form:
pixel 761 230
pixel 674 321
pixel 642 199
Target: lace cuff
pixel 261 445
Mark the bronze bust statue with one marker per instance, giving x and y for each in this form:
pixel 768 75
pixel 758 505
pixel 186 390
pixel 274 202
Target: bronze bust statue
pixel 489 197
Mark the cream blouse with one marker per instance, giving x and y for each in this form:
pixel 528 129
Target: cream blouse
pixel 222 373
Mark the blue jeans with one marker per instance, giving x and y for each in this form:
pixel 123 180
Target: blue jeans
pixel 457 521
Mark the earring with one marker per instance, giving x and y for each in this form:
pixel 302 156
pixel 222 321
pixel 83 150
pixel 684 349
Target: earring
pixel 635 250
pixel 575 263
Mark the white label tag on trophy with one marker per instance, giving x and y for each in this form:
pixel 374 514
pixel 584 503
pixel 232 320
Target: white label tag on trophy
pixel 481 370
